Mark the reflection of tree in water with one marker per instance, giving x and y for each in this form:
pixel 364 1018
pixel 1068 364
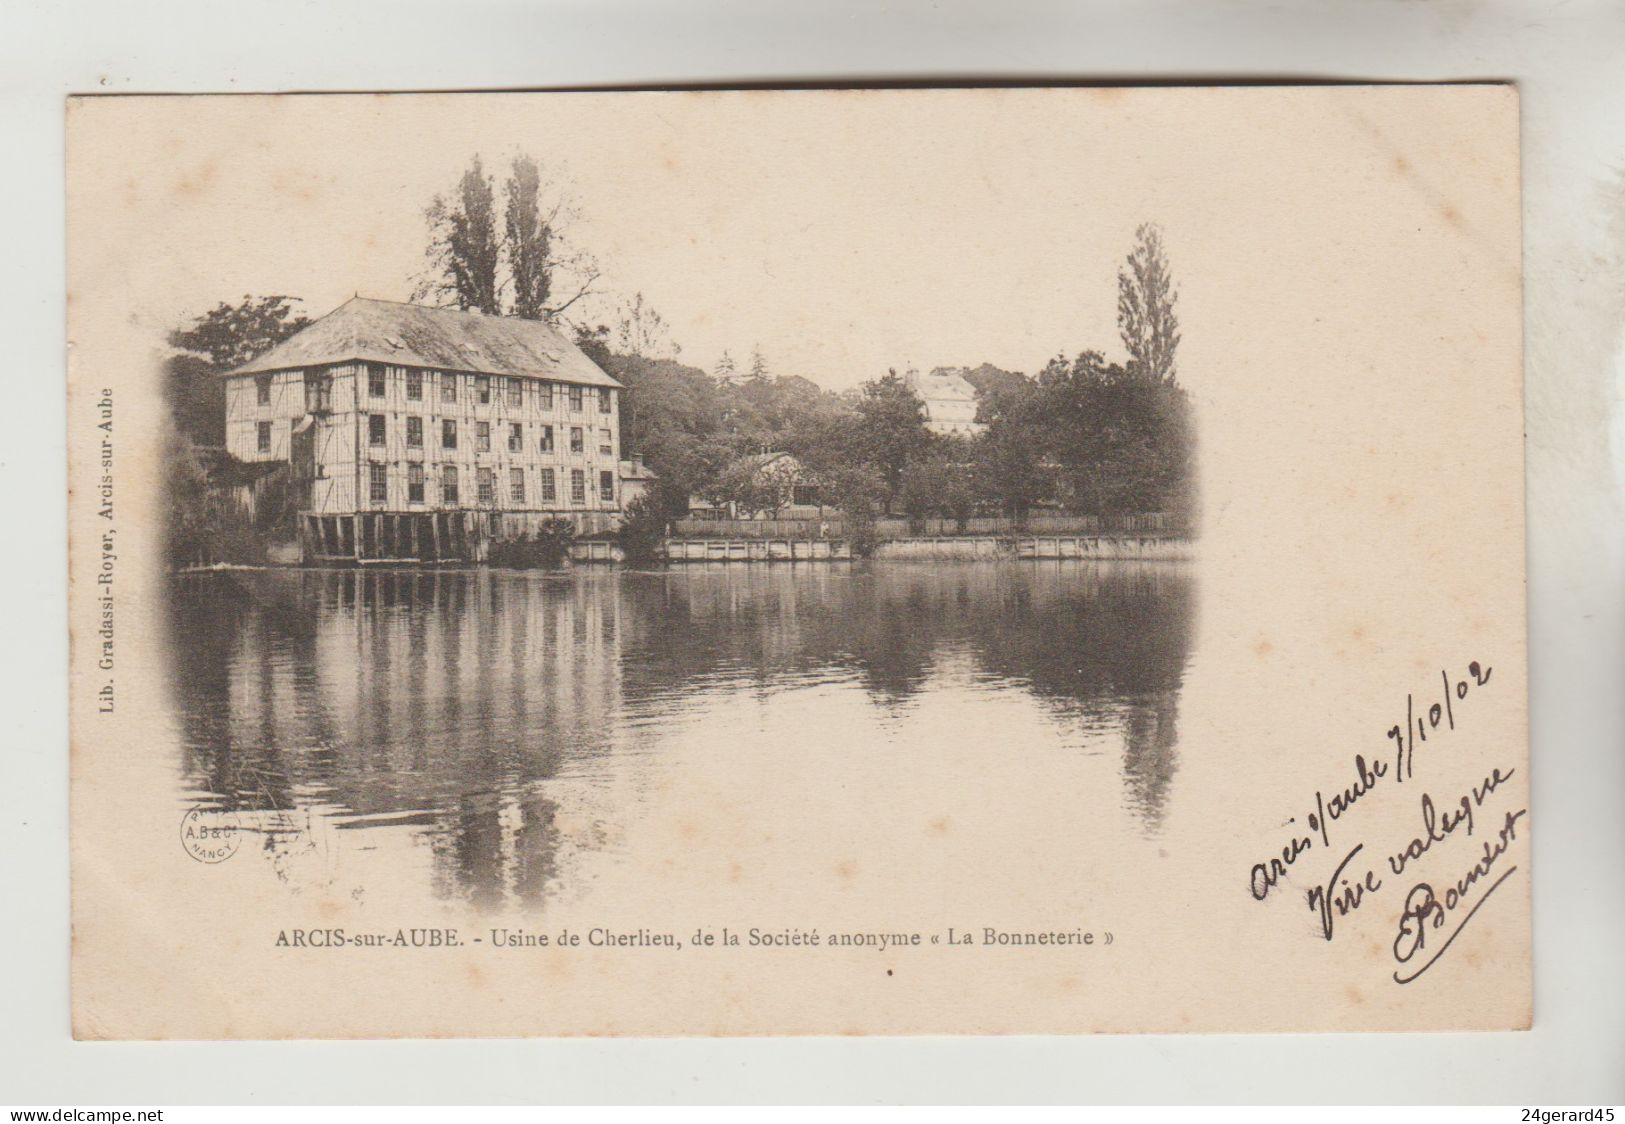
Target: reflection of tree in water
pixel 453 701
pixel 1106 642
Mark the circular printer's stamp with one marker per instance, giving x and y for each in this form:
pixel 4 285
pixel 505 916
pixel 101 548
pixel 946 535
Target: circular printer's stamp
pixel 210 835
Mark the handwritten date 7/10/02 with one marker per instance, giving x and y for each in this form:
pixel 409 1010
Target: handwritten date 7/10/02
pixel 1355 878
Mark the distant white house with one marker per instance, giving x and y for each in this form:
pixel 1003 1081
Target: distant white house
pixel 950 401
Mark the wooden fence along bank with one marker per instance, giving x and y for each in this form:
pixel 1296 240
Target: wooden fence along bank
pixel 937 548
pixel 460 538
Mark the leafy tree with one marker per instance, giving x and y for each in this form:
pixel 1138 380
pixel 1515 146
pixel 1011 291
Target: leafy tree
pixel 202 523
pixel 643 530
pixel 938 485
pixel 554 539
pixel 643 332
pixel 594 341
pixel 752 488
pixel 1008 468
pixel 231 335
pixel 1145 308
pixel 672 414
pixel 529 241
pixel 463 244
pixel 891 429
pixel 1118 442
pixel 856 490
pixel 222 339
pixel 531 261
pixel 824 437
pixel 990 381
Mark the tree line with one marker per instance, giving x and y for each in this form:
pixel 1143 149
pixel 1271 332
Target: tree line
pixel 1082 435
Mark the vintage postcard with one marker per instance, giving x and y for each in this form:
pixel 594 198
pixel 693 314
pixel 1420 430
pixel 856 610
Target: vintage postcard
pixel 933 561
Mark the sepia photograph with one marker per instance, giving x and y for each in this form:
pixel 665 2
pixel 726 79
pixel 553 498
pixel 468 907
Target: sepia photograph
pixel 456 578
pixel 797 561
pixel 647 558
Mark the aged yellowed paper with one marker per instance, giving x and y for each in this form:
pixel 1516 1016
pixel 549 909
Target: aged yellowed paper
pixel 797 562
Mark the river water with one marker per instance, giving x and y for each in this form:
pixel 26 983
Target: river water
pixel 497 738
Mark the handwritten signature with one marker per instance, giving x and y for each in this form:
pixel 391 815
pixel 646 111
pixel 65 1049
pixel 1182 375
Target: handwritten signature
pixel 1424 909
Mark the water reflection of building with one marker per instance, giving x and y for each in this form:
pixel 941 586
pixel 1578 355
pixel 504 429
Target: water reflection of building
pixel 442 700
pixel 489 711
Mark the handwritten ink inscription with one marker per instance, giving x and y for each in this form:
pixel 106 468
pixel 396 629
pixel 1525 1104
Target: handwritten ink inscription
pixel 1429 907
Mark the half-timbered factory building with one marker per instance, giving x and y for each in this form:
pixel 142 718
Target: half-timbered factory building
pixel 419 433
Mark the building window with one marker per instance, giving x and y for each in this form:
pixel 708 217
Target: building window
pixel 578 439
pixel 578 485
pixel 448 387
pixel 448 484
pixel 448 433
pixel 414 433
pixel 487 485
pixel 575 399
pixel 804 495
pixel 263 441
pixel 375 380
pixel 482 436
pixel 516 393
pixel 516 485
pixel 414 386
pixel 516 437
pixel 318 393
pixel 377 483
pixel 375 429
pixel 414 483
pixel 550 492
pixel 547 439
pixel 603 400
pixel 262 390
pixel 545 392
pixel 606 485
pixel 606 443
pixel 482 387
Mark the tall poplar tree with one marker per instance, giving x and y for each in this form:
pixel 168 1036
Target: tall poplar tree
pixel 528 239
pixel 1146 317
pixel 528 267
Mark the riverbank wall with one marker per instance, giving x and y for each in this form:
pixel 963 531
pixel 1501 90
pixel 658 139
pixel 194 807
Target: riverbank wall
pixel 944 548
pixel 679 551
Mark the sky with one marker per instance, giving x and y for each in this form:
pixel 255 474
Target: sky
pixel 842 233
